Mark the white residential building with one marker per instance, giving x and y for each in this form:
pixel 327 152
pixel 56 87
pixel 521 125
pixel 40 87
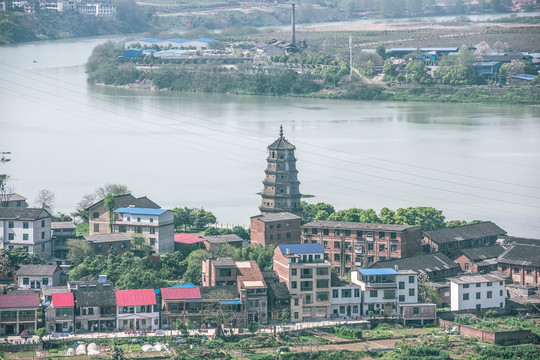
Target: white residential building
pixel 29 228
pixel 38 276
pixel 155 225
pixel 100 10
pixel 137 309
pixel 477 292
pixel 407 289
pixel 13 200
pixel 346 301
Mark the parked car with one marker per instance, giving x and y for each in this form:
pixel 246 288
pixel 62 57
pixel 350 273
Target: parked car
pixel 25 334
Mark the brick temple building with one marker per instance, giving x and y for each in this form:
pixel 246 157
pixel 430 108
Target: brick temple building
pixel 351 245
pixel 281 191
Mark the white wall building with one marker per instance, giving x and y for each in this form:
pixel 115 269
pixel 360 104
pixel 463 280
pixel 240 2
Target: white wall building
pixel 28 228
pixel 155 225
pixel 346 301
pixel 38 276
pixel 100 10
pixel 477 292
pixel 407 289
pixel 137 309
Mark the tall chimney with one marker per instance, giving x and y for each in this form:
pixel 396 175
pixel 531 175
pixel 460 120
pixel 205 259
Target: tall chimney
pixel 293 21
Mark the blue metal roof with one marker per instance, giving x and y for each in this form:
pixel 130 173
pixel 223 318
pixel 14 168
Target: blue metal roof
pixel 152 40
pixel 140 211
pixel 205 40
pixel 178 40
pixel 439 49
pixel 382 271
pixel 189 285
pixel 230 302
pixel 301 248
pixel 524 77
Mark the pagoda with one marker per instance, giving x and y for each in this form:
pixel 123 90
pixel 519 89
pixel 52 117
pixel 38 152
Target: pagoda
pixel 281 191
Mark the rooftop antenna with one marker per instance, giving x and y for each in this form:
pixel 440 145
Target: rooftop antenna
pixel 4 159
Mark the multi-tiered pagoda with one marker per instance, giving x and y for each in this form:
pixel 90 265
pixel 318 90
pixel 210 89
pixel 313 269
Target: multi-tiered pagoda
pixel 281 192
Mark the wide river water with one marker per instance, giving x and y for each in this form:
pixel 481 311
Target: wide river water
pixel 202 150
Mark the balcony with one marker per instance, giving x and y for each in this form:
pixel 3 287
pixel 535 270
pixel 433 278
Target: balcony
pixel 381 285
pixel 306 289
pixel 306 276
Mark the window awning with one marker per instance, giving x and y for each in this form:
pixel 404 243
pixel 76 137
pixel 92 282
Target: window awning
pixel 231 302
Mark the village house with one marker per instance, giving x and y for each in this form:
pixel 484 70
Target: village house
pixel 450 240
pixel 19 312
pixel 478 260
pixel 182 303
pixel 522 263
pixel 349 245
pixel 418 314
pixel 253 291
pixel 346 299
pixel 60 314
pixel 156 226
pixel 13 200
pixel 62 231
pixel 137 309
pixel 219 272
pixel 183 241
pixel 39 276
pixel 28 228
pixel 102 243
pixel 99 216
pixel 436 266
pixel 477 292
pixel 307 275
pixel 222 306
pixel 279 297
pixel 95 305
pixel 215 241
pixel 276 228
pixel 384 289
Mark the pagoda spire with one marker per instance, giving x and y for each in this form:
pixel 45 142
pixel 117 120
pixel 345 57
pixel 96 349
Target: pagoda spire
pixel 281 131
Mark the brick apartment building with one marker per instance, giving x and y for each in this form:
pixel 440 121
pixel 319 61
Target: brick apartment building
pixel 522 263
pixel 307 275
pixel 351 245
pixel 274 229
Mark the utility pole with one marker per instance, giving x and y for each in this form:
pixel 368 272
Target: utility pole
pixel 350 57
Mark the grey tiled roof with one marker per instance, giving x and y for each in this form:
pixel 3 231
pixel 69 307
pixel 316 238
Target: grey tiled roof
pixel 97 297
pixel 62 225
pixel 100 238
pixel 227 261
pixel 425 262
pixel 280 144
pixel 346 225
pixel 10 213
pixel 12 197
pixel 228 292
pixel 521 254
pixel 484 252
pixel 37 270
pixel 127 200
pixel 458 233
pixel 519 240
pixel 477 278
pixel 277 217
pixel 278 290
pixel 220 239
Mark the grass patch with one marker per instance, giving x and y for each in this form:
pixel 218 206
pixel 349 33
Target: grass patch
pixel 21 355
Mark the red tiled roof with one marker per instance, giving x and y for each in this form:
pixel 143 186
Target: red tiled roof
pixel 180 293
pixel 62 300
pixel 19 300
pixel 183 238
pixel 135 297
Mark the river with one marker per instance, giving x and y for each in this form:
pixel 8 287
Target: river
pixel 201 150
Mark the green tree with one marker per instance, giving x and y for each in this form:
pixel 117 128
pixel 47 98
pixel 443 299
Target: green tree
pixel 183 217
pixel 109 204
pixel 193 272
pixel 253 327
pixel 41 332
pixel 387 216
pixel 203 218
pixel 118 353
pixel 45 200
pixel 428 218
pixel 140 246
pixel 180 325
pixel 427 293
pixel 417 72
pixel 81 211
pixel 78 251
pixel 285 316
pixel 389 71
pixel 18 256
pixel 381 51
pixel 241 232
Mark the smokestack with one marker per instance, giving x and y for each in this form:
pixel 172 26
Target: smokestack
pixel 293 22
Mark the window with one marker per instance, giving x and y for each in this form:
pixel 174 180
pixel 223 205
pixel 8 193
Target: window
pixel 489 294
pixel 359 234
pixel 323 271
pixel 335 294
pixel 325 231
pixel 337 245
pixel 401 298
pixel 293 272
pixel 314 231
pixel 138 229
pixel 411 292
pixel 346 293
pixel 465 286
pixel 152 241
pixel 503 268
pixel 25 224
pixel 42 223
pixel 370 247
pixel 152 230
pixel 26 281
pixel 225 272
pixel 95 215
pixel 279 236
pixel 96 227
pixel 296 302
pixel 516 270
pixel 325 243
pixel 336 232
pixel 465 296
pixel 411 279
pixel 355 309
pixel 500 293
pixel 342 309
pixel 151 220
pixel 91 311
pixel 478 284
pixel 322 284
pixel 322 296
pixel 337 257
pixel 489 283
pixel 478 295
pixel 381 247
pixel 356 292
pixel 401 285
pixel 288 235
pixel 294 285
pixel 122 229
pixel 347 232
pixel 389 294
pixel 500 282
pixel 11 236
pixel 45 281
pixel 11 224
pixel 296 316
pixel 392 236
pixel 128 218
pixel 393 248
pixel 278 226
pixel 373 293
pixel 306 285
pixel 138 219
pixel 25 237
pixel 416 310
pixel 381 235
pixel 43 234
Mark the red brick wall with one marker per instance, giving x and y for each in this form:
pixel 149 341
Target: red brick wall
pixel 462 260
pixel 275 232
pixel 521 277
pixel 280 266
pixel 500 337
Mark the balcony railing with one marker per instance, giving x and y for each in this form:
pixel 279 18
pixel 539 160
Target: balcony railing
pixel 306 289
pixel 306 276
